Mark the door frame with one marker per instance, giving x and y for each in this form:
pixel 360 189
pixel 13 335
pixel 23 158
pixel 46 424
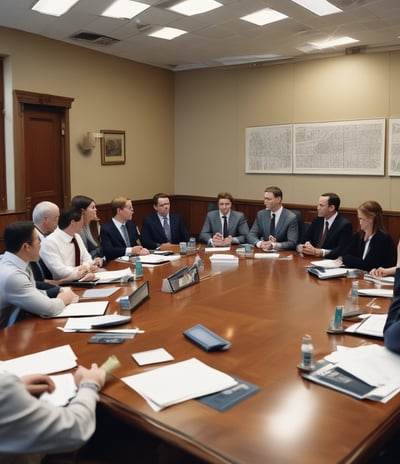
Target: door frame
pixel 22 98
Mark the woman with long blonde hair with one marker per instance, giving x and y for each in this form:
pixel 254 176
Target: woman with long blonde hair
pixel 372 246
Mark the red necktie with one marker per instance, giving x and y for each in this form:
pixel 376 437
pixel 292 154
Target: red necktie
pixel 77 252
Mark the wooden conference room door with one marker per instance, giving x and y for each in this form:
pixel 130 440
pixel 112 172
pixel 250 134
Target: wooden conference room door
pixel 43 157
pixel 44 149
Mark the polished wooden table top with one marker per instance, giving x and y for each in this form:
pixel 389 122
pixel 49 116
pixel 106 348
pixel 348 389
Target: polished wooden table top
pixel 264 307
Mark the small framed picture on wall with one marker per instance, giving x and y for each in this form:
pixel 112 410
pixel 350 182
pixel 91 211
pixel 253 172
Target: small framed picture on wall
pixel 113 147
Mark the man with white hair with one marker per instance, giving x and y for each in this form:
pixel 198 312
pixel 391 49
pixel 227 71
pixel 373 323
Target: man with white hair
pixel 45 217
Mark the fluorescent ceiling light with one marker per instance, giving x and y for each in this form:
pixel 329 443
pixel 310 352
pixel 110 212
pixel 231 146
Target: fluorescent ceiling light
pixel 53 7
pixel 124 9
pixel 193 7
pixel 319 7
pixel 263 17
pixel 231 60
pixel 167 33
pixel 334 42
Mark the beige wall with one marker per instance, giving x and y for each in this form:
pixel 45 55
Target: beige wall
pixel 213 108
pixel 185 132
pixel 109 93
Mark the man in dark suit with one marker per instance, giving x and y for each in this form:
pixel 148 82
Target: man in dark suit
pixel 329 232
pixel 275 227
pixel 224 226
pixel 163 226
pixel 120 236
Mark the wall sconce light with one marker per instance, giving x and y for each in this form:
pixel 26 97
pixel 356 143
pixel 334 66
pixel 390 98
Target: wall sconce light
pixel 88 141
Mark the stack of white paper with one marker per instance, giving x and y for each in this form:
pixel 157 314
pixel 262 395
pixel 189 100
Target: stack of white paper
pixel 379 292
pixel 175 383
pixel 371 324
pixel 372 364
pixel 105 277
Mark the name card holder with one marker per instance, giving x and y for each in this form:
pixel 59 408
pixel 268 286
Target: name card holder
pixel 181 279
pixel 136 298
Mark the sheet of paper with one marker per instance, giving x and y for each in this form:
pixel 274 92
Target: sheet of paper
pixel 378 292
pixel 213 249
pixel 113 276
pixel 152 356
pixel 175 383
pixel 99 292
pixel 372 325
pixel 87 308
pixel 325 263
pixel 266 255
pixel 49 361
pixel 65 390
pixel 84 323
pixel 374 365
pixel 224 258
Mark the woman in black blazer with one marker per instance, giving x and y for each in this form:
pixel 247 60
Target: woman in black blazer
pixel 372 246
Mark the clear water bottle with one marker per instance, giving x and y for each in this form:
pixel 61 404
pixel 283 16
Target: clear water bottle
pixel 351 304
pixel 307 352
pixel 192 245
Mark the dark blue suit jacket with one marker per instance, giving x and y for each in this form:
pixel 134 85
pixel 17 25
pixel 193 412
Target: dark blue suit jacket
pixel 381 252
pixel 392 327
pixel 339 235
pixel 153 234
pixel 113 244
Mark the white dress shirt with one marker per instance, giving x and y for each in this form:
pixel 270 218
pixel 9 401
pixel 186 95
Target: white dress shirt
pixel 58 253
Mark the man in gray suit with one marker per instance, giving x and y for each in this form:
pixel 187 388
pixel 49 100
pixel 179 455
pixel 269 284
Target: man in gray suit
pixel 275 227
pixel 224 227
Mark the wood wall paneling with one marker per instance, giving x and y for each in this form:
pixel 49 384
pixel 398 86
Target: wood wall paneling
pixel 193 210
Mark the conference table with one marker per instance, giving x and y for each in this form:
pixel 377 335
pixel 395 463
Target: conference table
pixel 263 307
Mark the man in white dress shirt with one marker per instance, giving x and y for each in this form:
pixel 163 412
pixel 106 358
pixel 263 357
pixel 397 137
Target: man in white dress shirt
pixel 64 252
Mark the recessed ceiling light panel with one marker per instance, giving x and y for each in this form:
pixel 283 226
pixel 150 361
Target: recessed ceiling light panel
pixel 194 7
pixel 124 9
pixel 334 42
pixel 318 7
pixel 167 33
pixel 263 17
pixel 53 7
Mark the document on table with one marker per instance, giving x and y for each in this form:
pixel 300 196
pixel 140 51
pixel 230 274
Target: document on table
pixel 49 361
pixel 371 325
pixel 175 383
pixel 76 324
pixel 99 292
pixel 65 390
pixel 326 263
pixel 213 249
pixel 378 292
pixel 223 258
pixel 389 280
pixel 89 308
pixel 367 371
pixel 105 277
